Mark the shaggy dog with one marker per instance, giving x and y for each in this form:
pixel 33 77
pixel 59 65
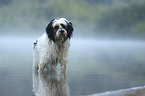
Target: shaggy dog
pixel 53 46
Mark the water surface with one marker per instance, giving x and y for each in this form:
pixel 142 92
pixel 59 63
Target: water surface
pixel 95 66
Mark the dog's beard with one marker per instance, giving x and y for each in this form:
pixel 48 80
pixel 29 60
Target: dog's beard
pixel 61 38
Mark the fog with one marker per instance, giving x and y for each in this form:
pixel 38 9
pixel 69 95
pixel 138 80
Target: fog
pixel 121 19
pixel 107 52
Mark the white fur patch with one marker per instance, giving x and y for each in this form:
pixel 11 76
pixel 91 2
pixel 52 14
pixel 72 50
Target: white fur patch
pixel 59 21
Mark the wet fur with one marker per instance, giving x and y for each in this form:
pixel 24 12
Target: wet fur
pixel 48 51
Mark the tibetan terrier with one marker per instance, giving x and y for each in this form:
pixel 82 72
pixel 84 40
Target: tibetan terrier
pixel 53 46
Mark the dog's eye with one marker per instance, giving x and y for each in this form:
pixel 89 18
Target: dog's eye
pixel 56 27
pixel 63 26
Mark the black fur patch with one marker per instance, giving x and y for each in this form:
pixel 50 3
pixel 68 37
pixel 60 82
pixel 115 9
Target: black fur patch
pixel 35 44
pixel 49 31
pixel 69 29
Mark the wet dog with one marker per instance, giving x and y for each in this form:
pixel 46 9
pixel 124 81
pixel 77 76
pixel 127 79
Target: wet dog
pixel 53 46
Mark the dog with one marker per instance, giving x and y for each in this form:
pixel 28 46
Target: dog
pixel 53 46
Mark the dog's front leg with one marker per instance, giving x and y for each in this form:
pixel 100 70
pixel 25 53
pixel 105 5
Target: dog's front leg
pixel 41 66
pixel 63 65
pixel 63 68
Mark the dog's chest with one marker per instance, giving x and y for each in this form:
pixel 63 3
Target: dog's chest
pixel 56 54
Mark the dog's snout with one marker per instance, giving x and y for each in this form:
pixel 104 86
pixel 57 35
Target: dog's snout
pixel 62 31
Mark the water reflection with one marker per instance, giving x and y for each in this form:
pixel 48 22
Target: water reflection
pixel 47 83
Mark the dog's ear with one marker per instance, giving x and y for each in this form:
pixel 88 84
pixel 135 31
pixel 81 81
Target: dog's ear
pixel 70 29
pixel 49 30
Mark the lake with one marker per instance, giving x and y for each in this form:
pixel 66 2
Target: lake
pixel 95 68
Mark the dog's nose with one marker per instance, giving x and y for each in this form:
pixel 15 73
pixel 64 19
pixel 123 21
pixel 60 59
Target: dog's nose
pixel 61 31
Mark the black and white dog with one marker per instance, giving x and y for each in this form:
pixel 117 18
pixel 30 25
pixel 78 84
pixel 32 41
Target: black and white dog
pixel 53 46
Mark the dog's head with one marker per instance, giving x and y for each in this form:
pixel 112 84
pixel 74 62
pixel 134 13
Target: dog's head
pixel 59 30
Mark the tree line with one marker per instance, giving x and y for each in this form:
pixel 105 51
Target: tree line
pixel 111 17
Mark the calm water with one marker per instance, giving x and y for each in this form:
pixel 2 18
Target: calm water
pixel 94 67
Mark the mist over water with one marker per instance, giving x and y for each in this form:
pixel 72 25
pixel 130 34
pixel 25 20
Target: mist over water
pixel 94 65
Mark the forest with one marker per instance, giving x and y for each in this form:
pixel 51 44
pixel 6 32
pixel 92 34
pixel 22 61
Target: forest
pixel 102 18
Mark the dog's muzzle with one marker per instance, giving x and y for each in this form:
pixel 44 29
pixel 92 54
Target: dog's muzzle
pixel 61 35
